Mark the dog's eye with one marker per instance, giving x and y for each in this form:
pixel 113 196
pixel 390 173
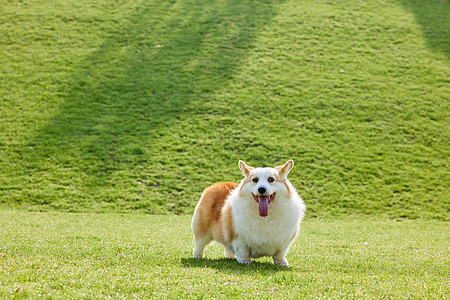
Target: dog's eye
pixel 270 179
pixel 255 180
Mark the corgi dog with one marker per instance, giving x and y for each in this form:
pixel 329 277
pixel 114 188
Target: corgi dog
pixel 258 217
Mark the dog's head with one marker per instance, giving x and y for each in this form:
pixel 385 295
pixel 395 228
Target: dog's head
pixel 265 184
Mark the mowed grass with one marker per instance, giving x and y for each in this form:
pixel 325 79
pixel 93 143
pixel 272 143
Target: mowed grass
pixel 139 105
pixel 128 105
pixel 92 256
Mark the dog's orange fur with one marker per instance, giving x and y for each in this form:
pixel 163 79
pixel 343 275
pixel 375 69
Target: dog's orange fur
pixel 214 215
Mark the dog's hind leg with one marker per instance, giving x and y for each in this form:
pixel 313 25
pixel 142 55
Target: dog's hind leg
pixel 200 244
pixel 229 252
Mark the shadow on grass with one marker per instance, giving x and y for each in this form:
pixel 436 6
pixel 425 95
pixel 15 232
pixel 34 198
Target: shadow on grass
pixel 125 104
pixel 433 17
pixel 232 265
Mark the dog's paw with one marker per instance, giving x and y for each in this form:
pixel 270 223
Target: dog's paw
pixel 197 254
pixel 229 253
pixel 281 262
pixel 244 260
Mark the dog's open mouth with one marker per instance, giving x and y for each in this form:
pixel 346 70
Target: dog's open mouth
pixel 264 201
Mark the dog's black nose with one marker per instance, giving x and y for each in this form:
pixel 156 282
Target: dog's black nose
pixel 262 189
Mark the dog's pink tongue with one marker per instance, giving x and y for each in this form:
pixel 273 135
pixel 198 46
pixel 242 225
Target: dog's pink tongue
pixel 263 206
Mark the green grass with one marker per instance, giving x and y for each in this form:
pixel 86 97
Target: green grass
pixel 136 106
pixel 139 105
pixel 94 256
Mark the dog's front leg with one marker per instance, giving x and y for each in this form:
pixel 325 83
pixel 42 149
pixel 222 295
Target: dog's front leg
pixel 242 252
pixel 279 258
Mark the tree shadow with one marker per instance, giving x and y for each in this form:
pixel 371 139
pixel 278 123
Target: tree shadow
pixel 433 17
pixel 151 71
pixel 233 266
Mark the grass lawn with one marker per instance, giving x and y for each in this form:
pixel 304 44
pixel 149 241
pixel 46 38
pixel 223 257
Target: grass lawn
pixel 66 255
pixel 116 106
pixel 134 107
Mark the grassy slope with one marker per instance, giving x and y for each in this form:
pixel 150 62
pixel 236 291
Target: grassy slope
pixel 60 255
pixel 138 105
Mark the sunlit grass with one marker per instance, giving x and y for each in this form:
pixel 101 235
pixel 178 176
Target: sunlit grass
pixel 60 255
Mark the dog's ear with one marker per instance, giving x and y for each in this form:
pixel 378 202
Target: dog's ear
pixel 245 169
pixel 285 169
